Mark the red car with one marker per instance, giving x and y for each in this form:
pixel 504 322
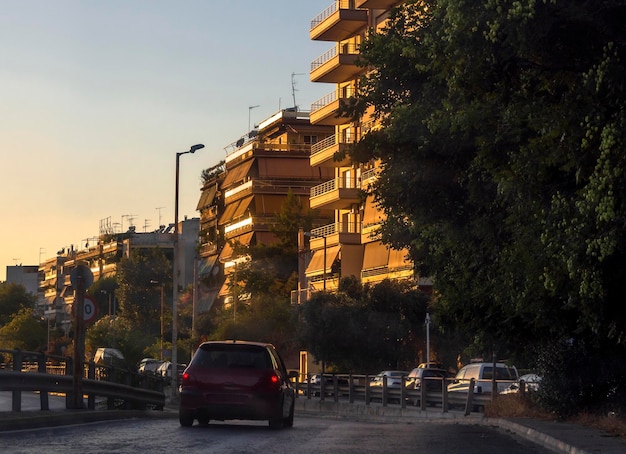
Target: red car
pixel 237 380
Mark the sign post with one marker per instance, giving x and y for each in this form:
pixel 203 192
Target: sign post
pixel 81 278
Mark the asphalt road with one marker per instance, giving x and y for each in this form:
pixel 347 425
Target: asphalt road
pixel 309 435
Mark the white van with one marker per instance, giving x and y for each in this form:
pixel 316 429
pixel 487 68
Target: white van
pixel 109 357
pixel 482 373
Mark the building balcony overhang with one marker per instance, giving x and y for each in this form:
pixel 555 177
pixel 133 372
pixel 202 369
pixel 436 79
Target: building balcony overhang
pixel 336 199
pixel 375 4
pixel 338 22
pixel 324 152
pixel 336 65
pixel 324 111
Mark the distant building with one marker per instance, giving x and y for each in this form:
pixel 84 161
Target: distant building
pixel 25 275
pixel 55 287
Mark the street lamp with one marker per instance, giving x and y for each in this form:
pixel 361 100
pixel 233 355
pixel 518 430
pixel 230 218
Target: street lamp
pixel 315 235
pixel 192 150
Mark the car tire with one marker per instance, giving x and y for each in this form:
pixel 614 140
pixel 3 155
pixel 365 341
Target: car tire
pixel 185 418
pixel 288 421
pixel 277 421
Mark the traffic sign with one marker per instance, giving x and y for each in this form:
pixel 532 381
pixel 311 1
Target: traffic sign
pixel 91 310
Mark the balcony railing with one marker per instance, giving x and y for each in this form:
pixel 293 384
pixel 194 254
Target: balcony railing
pixel 349 49
pixel 333 185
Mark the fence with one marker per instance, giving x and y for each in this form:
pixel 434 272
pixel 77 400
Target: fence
pixel 32 371
pixel 433 392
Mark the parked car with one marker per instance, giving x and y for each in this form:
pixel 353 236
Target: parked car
pixel 165 371
pixel 109 357
pixel 431 377
pixel 237 380
pixel 394 378
pixel 482 373
pixel 531 383
pixel 149 366
pixel 316 381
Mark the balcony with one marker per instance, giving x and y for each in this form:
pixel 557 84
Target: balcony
pixel 336 233
pixel 323 152
pixel 338 22
pixel 375 4
pixel 335 194
pixel 336 65
pixel 324 111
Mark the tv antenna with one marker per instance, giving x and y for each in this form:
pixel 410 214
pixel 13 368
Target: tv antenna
pixel 249 110
pixel 293 88
pixel 159 210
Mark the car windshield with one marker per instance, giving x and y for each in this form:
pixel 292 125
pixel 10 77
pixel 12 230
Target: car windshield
pixel 222 356
pixel 502 373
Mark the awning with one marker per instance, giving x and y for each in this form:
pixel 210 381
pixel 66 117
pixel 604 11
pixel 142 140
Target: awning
pixel 229 210
pixel 205 267
pixel 316 265
pixel 376 255
pixel 243 205
pixel 237 174
pixel 228 250
pixel 398 259
pixel 371 214
pixel 207 197
pixel 284 167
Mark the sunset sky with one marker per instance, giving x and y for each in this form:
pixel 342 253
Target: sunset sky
pixel 98 96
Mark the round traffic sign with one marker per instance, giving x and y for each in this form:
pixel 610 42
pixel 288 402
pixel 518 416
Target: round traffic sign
pixel 91 310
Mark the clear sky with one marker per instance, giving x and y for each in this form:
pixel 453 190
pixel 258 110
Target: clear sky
pixel 96 98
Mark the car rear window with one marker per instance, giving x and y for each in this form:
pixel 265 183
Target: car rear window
pixel 223 356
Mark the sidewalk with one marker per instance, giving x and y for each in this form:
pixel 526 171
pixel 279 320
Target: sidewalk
pixel 558 436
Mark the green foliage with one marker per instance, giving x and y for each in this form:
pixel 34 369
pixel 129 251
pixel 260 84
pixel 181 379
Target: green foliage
pixel 13 298
pixel 365 328
pixel 24 331
pixel 503 165
pixel 139 288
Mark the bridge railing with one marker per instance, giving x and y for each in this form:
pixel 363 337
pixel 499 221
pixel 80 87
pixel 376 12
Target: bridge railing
pixel 358 388
pixel 22 371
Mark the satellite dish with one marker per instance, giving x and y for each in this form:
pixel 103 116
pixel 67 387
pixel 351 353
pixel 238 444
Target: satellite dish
pixel 239 142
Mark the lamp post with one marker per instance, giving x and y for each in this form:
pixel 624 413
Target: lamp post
pixel 315 235
pixel 191 150
pixel 427 322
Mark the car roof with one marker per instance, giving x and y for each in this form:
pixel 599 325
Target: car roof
pixel 236 342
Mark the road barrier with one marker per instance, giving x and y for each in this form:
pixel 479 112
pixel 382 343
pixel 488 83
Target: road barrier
pixel 357 388
pixel 34 371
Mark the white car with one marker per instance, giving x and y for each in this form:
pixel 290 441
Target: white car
pixel 482 373
pixel 531 383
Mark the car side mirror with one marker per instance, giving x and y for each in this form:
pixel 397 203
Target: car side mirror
pixel 293 374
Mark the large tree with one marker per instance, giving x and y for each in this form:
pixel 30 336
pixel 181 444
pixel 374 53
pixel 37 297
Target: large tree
pixel 503 164
pixel 13 298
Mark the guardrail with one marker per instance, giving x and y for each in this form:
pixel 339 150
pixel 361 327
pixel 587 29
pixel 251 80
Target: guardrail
pixel 358 388
pixel 39 372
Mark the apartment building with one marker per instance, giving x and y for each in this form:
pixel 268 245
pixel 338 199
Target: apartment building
pixel 56 294
pixel 238 206
pixel 349 246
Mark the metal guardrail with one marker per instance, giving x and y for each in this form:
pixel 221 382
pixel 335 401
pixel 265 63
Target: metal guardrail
pixel 53 374
pixel 357 388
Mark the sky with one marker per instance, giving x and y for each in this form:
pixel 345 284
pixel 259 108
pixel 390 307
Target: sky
pixel 97 97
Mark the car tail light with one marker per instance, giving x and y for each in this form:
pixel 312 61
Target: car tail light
pixel 185 378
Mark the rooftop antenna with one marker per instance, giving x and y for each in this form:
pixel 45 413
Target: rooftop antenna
pixel 159 210
pixel 249 109
pixel 293 88
pixel 146 224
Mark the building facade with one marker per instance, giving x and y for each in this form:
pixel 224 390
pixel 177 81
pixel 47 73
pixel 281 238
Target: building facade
pixel 238 205
pixel 350 245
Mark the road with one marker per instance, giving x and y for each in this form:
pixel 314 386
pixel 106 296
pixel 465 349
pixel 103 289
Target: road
pixel 309 435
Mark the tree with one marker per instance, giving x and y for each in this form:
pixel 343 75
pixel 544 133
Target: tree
pixel 503 166
pixel 24 331
pixel 365 328
pixel 140 278
pixel 13 298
